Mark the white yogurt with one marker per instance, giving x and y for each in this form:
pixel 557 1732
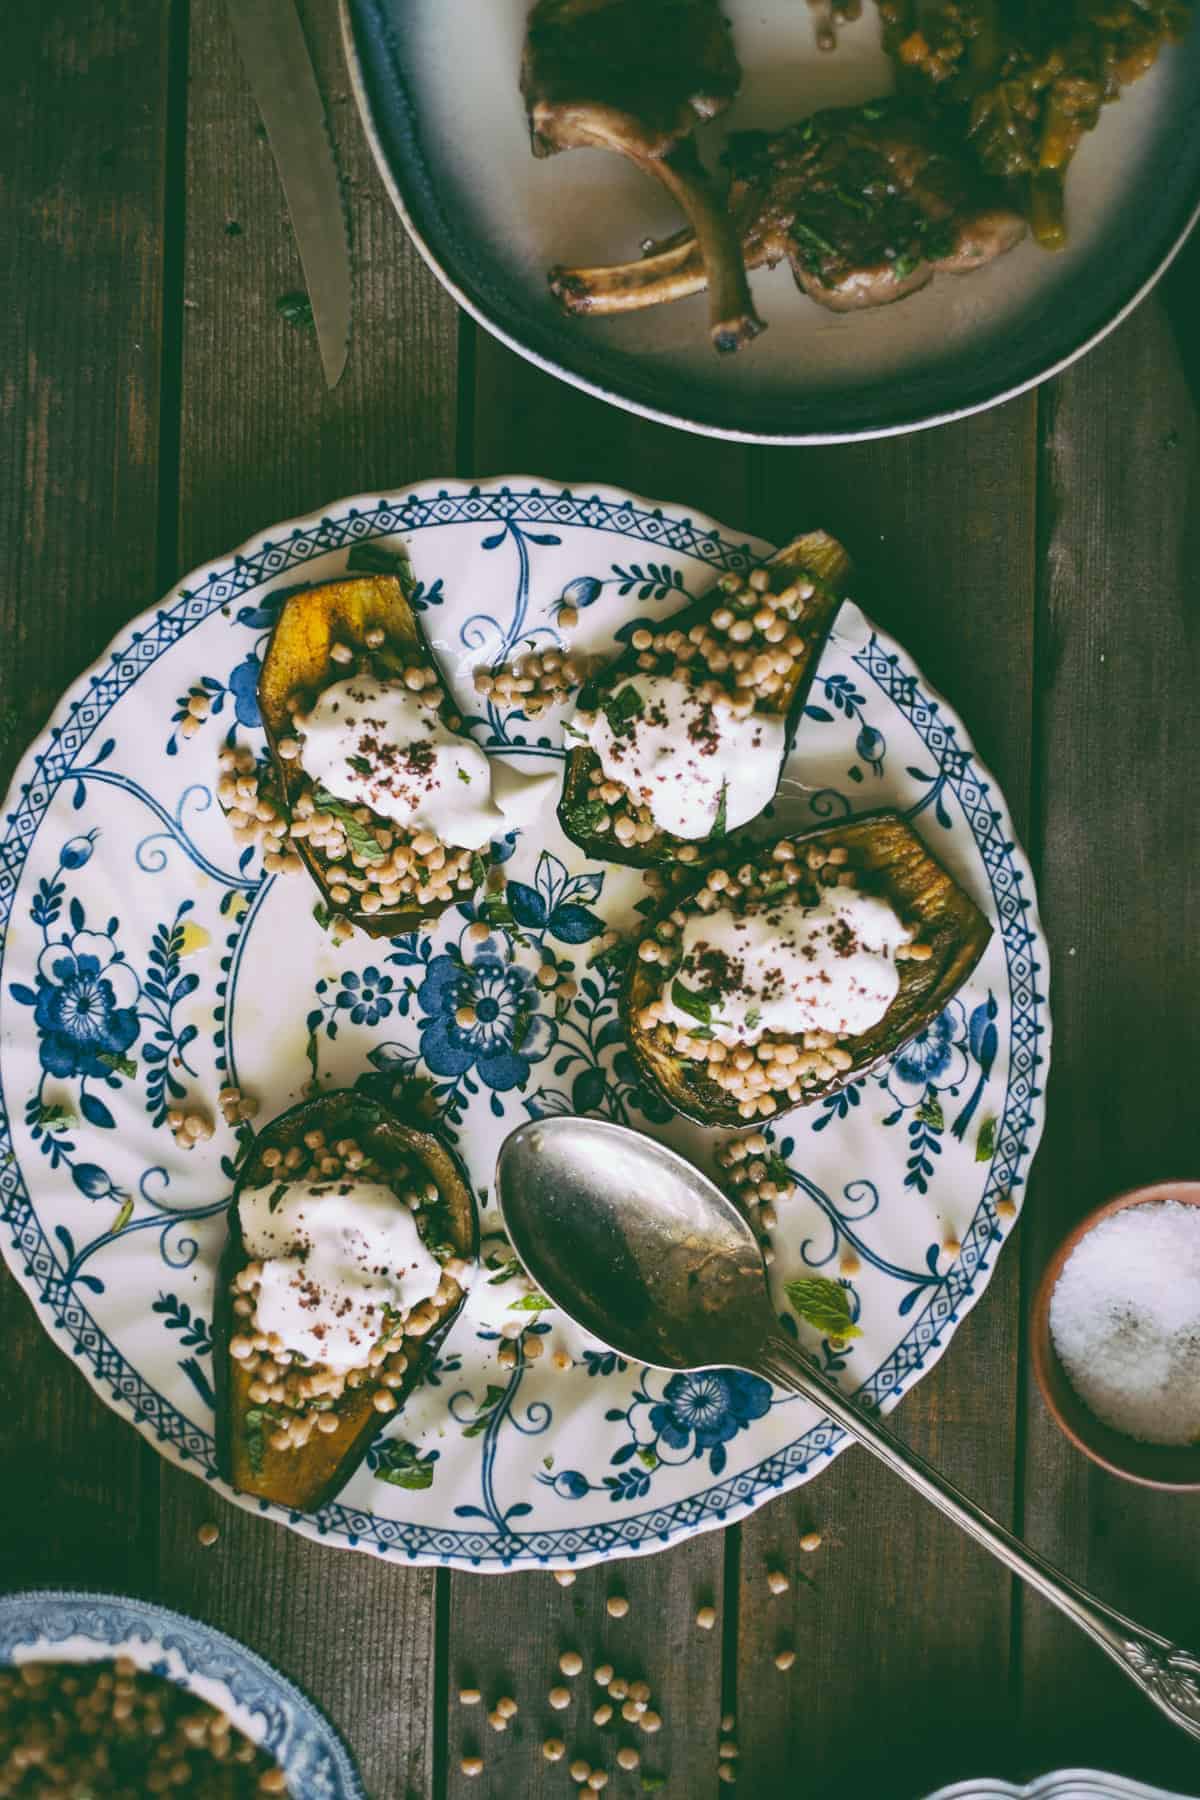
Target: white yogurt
pixel 334 1255
pixel 789 968
pixel 373 743
pixel 680 756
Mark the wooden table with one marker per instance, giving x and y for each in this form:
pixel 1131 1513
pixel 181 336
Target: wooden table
pixel 1040 562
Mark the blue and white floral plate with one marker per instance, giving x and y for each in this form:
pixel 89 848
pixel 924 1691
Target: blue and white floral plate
pixel 146 959
pixel 49 1626
pixel 1063 1784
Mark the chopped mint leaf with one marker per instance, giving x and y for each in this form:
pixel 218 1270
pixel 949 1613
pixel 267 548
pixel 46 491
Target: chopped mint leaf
pixel 464 777
pixel 985 1143
pixel 360 765
pixel 374 559
pixel 930 1113
pixel 753 1015
pixel 697 1006
pixel 530 1303
pixel 120 1065
pixel 478 869
pixel 321 914
pixel 255 1435
pixel 814 249
pixel 296 308
pixel 497 912
pixel 123 1217
pixel 823 1304
pixel 589 814
pixel 719 823
pixel 360 837
pixel 623 708
pixel 56 1118
pixel 491 1401
pixel 647 1457
pixel 778 1172
pixel 505 1272
pixel 400 1466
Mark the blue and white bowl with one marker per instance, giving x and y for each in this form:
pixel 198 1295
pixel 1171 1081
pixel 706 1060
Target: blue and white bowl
pixel 50 1626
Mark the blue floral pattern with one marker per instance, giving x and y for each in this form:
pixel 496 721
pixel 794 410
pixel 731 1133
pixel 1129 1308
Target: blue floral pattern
pixel 146 953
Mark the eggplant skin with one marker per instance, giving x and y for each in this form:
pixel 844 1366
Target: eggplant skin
pixel 886 849
pixel 815 554
pixel 303 1479
pixel 297 661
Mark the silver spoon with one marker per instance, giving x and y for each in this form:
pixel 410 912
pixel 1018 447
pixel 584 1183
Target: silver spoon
pixel 650 1258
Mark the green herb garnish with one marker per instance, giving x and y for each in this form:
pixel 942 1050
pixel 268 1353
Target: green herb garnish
pixel 719 823
pixel 505 1272
pixel 815 250
pixel 753 1015
pixel 697 1006
pixel 120 1065
pixel 590 814
pixel 56 1118
pixel 903 266
pixel 123 1217
pixel 277 1194
pixel 373 559
pixel 360 837
pixel 823 1304
pixel 491 1401
pixel 360 765
pixel 321 914
pixel 478 869
pixel 778 1171
pixel 464 777
pixel 985 1143
pixel 854 203
pixel 623 708
pixel 647 1457
pixel 400 1465
pixel 255 1434
pixel 530 1303
pixel 296 308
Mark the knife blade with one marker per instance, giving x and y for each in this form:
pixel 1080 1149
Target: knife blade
pixel 271 40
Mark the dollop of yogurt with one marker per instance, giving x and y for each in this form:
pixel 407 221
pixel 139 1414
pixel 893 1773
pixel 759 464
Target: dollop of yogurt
pixel 334 1255
pixel 788 967
pixel 374 743
pixel 683 757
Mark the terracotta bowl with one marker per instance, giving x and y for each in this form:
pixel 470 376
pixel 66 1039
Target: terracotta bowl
pixel 1154 1465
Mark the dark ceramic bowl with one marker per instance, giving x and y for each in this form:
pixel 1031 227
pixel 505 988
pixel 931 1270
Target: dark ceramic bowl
pixel 1154 1465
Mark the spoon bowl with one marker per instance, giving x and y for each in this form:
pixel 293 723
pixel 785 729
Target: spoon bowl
pixel 650 1258
pixel 640 1248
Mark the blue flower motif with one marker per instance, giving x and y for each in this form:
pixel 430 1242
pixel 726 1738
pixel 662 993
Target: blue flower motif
pixel 243 685
pixel 365 997
pixel 85 1006
pixel 935 1058
pixel 698 1414
pixel 505 1032
pixel 571 1485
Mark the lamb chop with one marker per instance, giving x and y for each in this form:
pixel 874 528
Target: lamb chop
pixel 637 76
pixel 867 204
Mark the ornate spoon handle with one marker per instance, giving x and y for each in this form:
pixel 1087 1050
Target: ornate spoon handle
pixel 1164 1672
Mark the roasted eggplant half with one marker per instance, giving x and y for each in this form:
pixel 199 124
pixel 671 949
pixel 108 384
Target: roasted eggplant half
pixel 290 1428
pixel 796 966
pixel 381 876
pixel 682 738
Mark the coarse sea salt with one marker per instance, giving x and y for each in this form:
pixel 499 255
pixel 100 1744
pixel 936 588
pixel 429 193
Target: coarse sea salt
pixel 1125 1320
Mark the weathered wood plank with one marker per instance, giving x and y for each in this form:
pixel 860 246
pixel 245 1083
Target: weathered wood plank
pixel 897 1618
pixel 262 439
pixel 1118 749
pixel 507 1635
pixel 83 95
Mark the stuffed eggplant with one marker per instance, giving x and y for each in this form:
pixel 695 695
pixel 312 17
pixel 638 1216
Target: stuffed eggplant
pixel 779 976
pixel 389 805
pixel 683 737
pixel 351 1230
